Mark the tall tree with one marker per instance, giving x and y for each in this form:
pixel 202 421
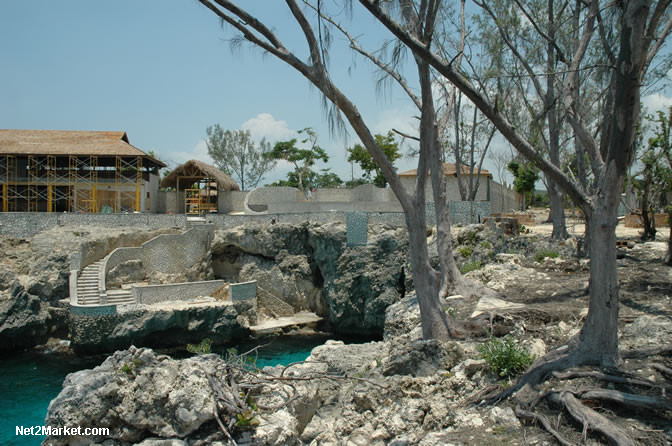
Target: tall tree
pixel 301 159
pixel 361 156
pixel 525 177
pixel 235 153
pixel 429 282
pixel 643 28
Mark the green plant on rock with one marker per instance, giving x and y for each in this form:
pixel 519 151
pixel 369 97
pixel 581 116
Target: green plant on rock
pixel 471 237
pixel 504 357
pixel 485 244
pixel 203 348
pixel 465 251
pixel 470 266
pixel 246 419
pixel 127 368
pixel 542 254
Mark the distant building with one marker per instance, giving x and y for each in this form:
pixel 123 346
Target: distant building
pixel 408 179
pixel 75 171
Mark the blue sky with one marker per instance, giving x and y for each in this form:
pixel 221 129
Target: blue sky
pixel 163 71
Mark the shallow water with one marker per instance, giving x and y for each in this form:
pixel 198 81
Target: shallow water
pixel 30 381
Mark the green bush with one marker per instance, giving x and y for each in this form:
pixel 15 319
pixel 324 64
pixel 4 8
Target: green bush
pixel 200 349
pixel 504 357
pixel 542 254
pixel 485 244
pixel 465 251
pixel 470 266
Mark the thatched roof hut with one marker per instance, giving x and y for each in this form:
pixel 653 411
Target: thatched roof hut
pixel 194 170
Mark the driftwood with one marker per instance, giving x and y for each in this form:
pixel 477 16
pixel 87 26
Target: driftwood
pixel 524 414
pixel 590 419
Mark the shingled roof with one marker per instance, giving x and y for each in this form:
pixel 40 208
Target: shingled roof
pixel 68 142
pixel 449 169
pixel 194 169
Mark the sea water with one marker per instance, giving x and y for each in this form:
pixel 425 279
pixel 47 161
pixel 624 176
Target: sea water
pixel 30 381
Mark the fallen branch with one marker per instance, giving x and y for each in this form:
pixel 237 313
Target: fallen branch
pixel 520 413
pixel 591 419
pixel 627 399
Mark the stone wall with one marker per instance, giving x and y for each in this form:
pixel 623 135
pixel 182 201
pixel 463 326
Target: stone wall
pixel 503 198
pixel 27 224
pixel 168 253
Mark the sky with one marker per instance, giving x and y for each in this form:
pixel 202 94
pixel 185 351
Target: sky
pixel 164 70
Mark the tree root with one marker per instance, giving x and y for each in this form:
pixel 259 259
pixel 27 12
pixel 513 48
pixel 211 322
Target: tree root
pixel 604 377
pixel 524 414
pixel 646 352
pixel 627 399
pixel 590 419
pixel 665 371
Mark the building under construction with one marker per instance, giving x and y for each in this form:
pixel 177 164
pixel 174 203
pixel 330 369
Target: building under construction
pixel 75 171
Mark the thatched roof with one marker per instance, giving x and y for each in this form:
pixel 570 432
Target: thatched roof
pixel 198 170
pixel 68 142
pixel 449 169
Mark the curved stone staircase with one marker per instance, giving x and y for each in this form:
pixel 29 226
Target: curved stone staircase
pixel 88 289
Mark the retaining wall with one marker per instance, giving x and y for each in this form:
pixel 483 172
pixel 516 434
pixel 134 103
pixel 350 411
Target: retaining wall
pixel 175 292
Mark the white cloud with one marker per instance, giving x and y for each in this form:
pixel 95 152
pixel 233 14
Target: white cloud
pixel 655 102
pixel 264 125
pixel 199 152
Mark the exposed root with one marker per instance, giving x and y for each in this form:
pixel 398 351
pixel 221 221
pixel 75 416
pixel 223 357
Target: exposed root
pixel 665 371
pixel 590 419
pixel 604 377
pixel 627 399
pixel 524 414
pixel 646 352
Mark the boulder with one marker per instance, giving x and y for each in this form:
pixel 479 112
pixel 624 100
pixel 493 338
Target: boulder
pixel 24 318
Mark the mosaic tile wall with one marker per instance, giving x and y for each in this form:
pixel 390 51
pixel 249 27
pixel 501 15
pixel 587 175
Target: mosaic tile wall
pixel 357 224
pixel 459 212
pixel 243 291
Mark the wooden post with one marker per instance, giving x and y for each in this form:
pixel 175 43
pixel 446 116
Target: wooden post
pixel 5 200
pixel 137 198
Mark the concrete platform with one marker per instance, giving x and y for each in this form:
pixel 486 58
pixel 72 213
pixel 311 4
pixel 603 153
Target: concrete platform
pixel 271 326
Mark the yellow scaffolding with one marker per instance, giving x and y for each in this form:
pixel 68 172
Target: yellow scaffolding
pixel 83 173
pixel 12 187
pixel 128 181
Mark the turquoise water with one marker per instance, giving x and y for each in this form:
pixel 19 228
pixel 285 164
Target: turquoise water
pixel 27 385
pixel 30 381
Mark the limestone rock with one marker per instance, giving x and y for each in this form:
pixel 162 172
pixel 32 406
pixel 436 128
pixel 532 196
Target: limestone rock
pixel 23 318
pixel 123 394
pixel 422 358
pixel 126 272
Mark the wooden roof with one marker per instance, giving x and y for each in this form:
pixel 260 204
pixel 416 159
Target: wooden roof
pixel 449 169
pixel 69 142
pixel 198 170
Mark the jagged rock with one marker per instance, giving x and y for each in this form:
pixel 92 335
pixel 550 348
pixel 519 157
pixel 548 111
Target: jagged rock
pixel 166 325
pixel 505 416
pixel 422 358
pixel 23 318
pixel 309 266
pixel 122 394
pixel 648 330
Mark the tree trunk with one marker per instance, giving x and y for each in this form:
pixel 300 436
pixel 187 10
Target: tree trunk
pixel 668 256
pixel 557 212
pixel 598 340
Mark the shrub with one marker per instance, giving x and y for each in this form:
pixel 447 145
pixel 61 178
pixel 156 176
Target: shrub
pixel 504 357
pixel 200 349
pixel 542 254
pixel 470 266
pixel 465 251
pixel 486 244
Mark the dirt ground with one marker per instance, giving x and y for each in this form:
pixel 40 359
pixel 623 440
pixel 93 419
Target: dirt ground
pixel 555 295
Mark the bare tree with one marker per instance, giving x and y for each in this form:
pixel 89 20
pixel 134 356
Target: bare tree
pixel 643 27
pixel 428 282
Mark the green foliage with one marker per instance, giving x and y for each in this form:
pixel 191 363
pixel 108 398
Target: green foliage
pixel 200 349
pixel 470 238
pixel 470 266
pixel 540 255
pixel 351 184
pixel 311 180
pixel 485 244
pixel 504 357
pixel 526 175
pixel 465 251
pixel 235 153
pixel 246 420
pixel 302 159
pixel 126 368
pixel 361 156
